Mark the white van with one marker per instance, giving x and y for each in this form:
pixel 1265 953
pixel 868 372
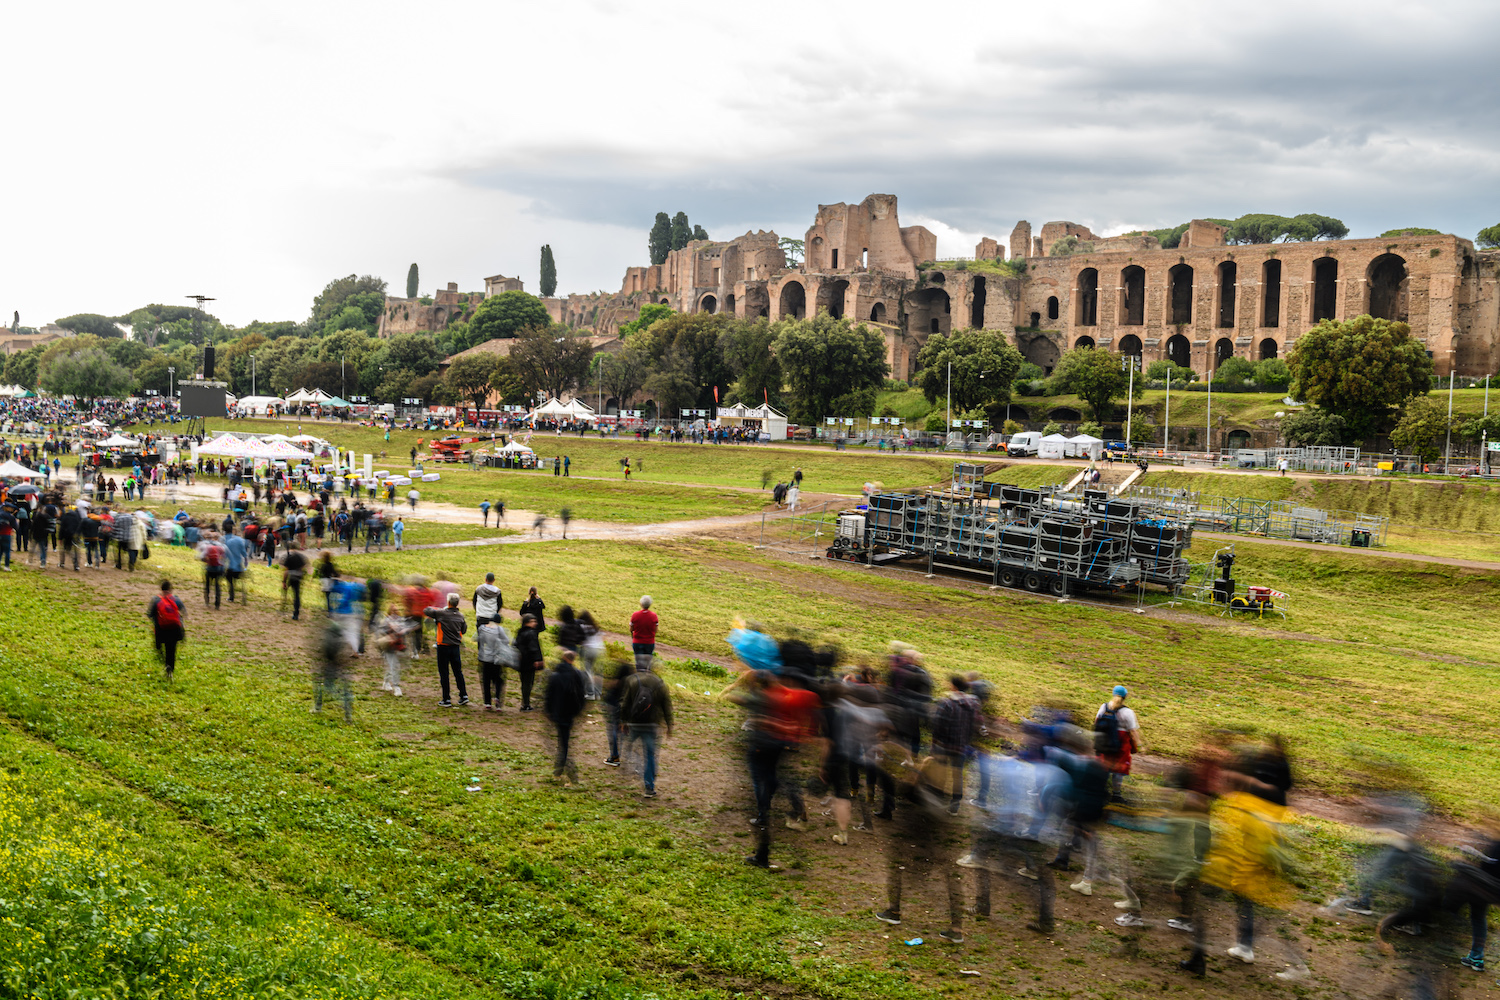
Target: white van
pixel 1023 444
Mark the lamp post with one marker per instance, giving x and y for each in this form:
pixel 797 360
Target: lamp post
pixel 252 374
pixel 342 388
pixel 171 370
pixel 1166 441
pixel 1448 445
pixel 1486 395
pixel 950 401
pixel 1129 359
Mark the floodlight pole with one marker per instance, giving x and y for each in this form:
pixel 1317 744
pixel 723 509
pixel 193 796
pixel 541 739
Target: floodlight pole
pixel 1129 399
pixel 1448 446
pixel 170 372
pixel 1166 442
pixel 252 374
pixel 198 316
pixel 950 401
pixel 1209 425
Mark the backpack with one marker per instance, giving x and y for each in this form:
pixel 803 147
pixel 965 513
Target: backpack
pixel 1107 738
pixel 168 614
pixel 642 703
pixel 213 557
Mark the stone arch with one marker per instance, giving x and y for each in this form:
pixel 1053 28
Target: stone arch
pixel 665 301
pixel 1064 414
pixel 1130 345
pixel 1042 352
pixel 1016 412
pixel 1053 308
pixel 1268 348
pixel 1088 297
pixel 793 303
pixel 612 406
pixel 1180 351
pixel 976 303
pixel 1084 342
pixel 1325 291
pixel 439 318
pixel 1133 296
pixel 877 313
pixel 1180 294
pixel 1386 279
pixel 1228 277
pixel 708 304
pixel 729 304
pixel 1270 283
pixel 937 278
pixel 1223 351
pixel 831 296
pixel 929 310
pixel 1237 438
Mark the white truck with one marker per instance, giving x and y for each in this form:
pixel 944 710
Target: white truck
pixel 1023 444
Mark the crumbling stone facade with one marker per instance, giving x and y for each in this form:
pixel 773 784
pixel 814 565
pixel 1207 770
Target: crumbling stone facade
pixel 1197 304
pixel 402 315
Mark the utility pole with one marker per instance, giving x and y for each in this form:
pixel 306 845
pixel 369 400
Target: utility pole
pixel 1448 446
pixel 252 374
pixel 1129 359
pixel 1209 429
pixel 342 388
pixel 950 401
pixel 170 372
pixel 198 331
pixel 1166 441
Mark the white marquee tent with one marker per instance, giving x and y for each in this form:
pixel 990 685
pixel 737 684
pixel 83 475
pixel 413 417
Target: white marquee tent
pixel 573 409
pixel 1084 446
pixel 1052 446
pixel 307 396
pixel 762 417
pixel 117 441
pixel 12 468
pixel 260 404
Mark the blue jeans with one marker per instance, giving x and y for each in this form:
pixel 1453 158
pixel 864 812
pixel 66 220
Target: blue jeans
pixel 649 740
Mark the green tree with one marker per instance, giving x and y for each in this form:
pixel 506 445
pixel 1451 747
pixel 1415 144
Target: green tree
pixel 21 367
pixel 506 315
pixel 152 374
pixel 1273 375
pixel 697 337
pixel 659 243
pixel 551 359
pixel 1312 426
pixel 1234 370
pixel 824 358
pixel 128 353
pixel 411 281
pixel 1390 233
pixel 985 363
pixel 681 231
pixel 859 403
pixel 87 375
pixel 749 347
pixel 548 284
pixel 794 250
pixel 673 383
pixel 1423 423
pixel 1359 369
pixel 1091 428
pixel 1489 237
pixel 505 380
pixel 1094 375
pixel 331 300
pixel 1010 428
pixel 1171 237
pixel 468 377
pixel 1159 370
pixel 353 344
pixel 699 233
pixel 1051 427
pixel 1261 228
pixel 394 385
pixel 650 313
pixel 413 351
pixel 623 374
pixel 102 327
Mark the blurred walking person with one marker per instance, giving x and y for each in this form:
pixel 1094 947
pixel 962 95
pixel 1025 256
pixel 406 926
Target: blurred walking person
pixel 645 706
pixel 165 612
pixel 563 702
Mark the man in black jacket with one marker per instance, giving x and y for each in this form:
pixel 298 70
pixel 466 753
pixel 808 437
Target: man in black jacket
pixel 450 631
pixel 528 657
pixel 68 527
pixel 563 702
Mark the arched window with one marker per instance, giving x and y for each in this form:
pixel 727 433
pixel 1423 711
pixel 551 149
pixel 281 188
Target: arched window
pixel 1130 345
pixel 1180 280
pixel 1270 290
pixel 793 300
pixel 976 307
pixel 1180 351
pixel 1084 342
pixel 1223 351
pixel 1052 307
pixel 1267 349
pixel 1386 278
pixel 1228 274
pixel 1133 296
pixel 1088 297
pixel 1325 288
pixel 877 313
pixel 709 304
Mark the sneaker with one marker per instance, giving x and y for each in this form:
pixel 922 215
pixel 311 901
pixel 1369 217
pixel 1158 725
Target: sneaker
pixel 1039 927
pixel 445 704
pixel 1293 974
pixel 1361 906
pixel 952 937
pixel 1246 955
pixel 1059 866
pixel 463 701
pixel 887 917
pixel 612 761
pixel 796 824
pixel 841 838
pixel 1415 930
pixel 649 793
pixel 397 692
pixel 385 686
pixel 967 861
pixel 861 828
pixel 1472 961
pixel 1130 920
pixel 1027 873
pixel 1178 924
pixel 1083 887
pixel 755 862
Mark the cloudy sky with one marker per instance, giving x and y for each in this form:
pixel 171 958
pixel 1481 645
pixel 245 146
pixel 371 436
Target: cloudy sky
pixel 252 152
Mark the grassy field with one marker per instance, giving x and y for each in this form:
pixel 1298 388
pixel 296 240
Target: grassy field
pixel 215 831
pixel 1455 519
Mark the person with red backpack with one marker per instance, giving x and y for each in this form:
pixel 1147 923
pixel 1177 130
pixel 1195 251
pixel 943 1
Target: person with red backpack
pixel 165 612
pixel 215 559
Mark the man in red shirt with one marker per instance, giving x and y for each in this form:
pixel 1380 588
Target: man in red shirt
pixel 643 632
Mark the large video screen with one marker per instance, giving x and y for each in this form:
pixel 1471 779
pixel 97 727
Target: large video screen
pixel 200 401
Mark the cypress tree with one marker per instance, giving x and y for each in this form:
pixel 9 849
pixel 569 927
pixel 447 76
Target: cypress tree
pixel 549 272
pixel 681 231
pixel 660 241
pixel 699 233
pixel 411 282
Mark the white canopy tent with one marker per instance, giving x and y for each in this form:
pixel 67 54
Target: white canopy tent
pixel 307 396
pixel 260 404
pixel 573 409
pixel 1052 446
pixel 514 448
pixel 1085 446
pixel 12 469
pixel 760 417
pixel 117 441
pixel 12 390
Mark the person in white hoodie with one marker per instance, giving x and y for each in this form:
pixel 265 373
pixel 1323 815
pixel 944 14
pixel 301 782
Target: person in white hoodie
pixel 495 654
pixel 487 601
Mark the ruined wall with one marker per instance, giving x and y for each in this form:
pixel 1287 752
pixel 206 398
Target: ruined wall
pixel 403 315
pixel 497 283
pixel 1020 240
pixel 867 236
pixel 988 249
pixel 1054 231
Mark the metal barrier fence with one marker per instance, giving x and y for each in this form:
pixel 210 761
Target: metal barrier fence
pixel 1270 518
pixel 807 532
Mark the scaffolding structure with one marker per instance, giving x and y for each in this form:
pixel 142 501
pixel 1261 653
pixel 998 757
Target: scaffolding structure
pixel 1042 539
pixel 1272 518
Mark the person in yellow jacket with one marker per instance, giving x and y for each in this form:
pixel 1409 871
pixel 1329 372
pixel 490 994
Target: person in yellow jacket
pixel 1248 857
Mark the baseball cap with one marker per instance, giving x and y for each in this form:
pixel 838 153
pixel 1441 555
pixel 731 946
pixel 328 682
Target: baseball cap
pixel 1120 691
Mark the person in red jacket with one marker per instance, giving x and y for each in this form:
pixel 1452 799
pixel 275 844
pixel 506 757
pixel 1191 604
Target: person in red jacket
pixel 165 612
pixel 643 632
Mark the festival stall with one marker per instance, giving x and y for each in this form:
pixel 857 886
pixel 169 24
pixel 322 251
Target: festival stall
pixel 553 409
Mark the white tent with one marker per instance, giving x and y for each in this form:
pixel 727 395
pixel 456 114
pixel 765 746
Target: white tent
pixel 260 404
pixel 12 468
pixel 305 396
pixel 231 447
pixel 95 425
pixel 514 448
pixel 573 409
pixel 752 417
pixel 1085 446
pixel 12 390
pixel 117 441
pixel 1052 446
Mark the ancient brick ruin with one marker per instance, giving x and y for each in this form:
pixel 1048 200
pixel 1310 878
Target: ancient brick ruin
pixel 402 315
pixel 1197 304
